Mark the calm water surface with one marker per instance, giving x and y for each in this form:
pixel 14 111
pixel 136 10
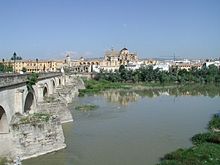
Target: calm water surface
pixel 132 127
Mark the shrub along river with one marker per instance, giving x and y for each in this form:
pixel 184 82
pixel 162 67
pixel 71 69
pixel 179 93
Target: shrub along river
pixel 134 127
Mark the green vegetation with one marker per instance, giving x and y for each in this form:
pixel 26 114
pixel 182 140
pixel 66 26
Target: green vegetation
pixel 35 118
pixel 5 68
pixel 93 86
pixel 24 69
pixel 205 152
pixel 49 99
pixel 15 57
pixel 150 89
pixel 31 80
pixel 147 76
pixel 211 137
pixel 3 161
pixel 86 107
pixel 150 75
pixel 215 122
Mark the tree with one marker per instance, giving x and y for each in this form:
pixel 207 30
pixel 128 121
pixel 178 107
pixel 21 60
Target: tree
pixel 31 80
pixel 121 68
pixel 15 57
pixel 24 69
pixel 163 77
pixel 37 63
pixel 2 67
pixel 213 70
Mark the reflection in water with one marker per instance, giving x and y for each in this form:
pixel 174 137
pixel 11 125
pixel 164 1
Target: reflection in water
pixel 121 96
pixel 124 97
pixel 140 133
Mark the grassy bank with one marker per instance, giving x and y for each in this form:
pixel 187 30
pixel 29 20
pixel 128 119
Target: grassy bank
pixel 93 86
pixel 206 149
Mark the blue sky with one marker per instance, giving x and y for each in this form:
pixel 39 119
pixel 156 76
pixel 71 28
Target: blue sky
pixel 46 29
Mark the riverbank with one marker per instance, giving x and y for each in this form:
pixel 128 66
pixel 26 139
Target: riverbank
pixel 205 151
pixel 94 86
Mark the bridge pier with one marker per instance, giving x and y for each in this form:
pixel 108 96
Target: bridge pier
pixel 63 80
pixel 40 92
pixel 19 101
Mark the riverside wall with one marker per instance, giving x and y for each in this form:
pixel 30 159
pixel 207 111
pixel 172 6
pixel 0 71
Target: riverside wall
pixel 34 139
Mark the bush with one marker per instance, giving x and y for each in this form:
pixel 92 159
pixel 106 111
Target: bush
pixel 215 122
pixel 174 155
pixel 206 153
pixel 35 118
pixel 31 80
pixel 206 149
pixel 212 137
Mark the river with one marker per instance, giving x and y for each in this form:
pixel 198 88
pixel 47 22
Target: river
pixel 133 127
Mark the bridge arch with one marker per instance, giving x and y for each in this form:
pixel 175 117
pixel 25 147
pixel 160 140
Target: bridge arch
pixel 4 126
pixel 59 81
pixel 45 90
pixel 30 103
pixel 53 84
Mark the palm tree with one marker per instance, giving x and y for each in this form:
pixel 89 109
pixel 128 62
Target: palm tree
pixel 37 63
pixel 14 58
pixel 3 62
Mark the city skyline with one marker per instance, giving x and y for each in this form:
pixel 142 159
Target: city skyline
pixel 152 29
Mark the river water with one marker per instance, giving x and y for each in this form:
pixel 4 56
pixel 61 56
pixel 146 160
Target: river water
pixel 133 127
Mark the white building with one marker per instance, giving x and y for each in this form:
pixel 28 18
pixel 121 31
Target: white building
pixel 162 66
pixel 216 63
pixel 134 66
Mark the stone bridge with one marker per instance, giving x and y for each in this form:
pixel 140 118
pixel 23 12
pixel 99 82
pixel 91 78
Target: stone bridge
pixel 15 97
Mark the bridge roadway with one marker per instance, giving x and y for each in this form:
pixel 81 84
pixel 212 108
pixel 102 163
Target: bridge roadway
pixel 15 97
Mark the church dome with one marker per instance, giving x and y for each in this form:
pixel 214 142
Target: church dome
pixel 124 49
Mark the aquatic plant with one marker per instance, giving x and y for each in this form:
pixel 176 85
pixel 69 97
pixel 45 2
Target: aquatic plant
pixel 86 107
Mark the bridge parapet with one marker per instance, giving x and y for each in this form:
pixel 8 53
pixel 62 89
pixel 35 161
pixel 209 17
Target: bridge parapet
pixel 7 80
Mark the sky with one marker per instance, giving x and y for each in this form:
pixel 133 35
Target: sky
pixel 48 29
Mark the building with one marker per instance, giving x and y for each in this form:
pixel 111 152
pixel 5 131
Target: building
pixel 114 59
pixel 35 65
pixel 208 63
pixel 162 66
pixel 187 66
pixel 111 62
pixel 84 65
